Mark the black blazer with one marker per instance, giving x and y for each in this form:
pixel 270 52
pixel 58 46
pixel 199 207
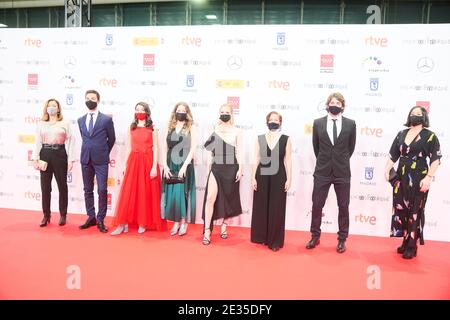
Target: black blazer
pixel 333 160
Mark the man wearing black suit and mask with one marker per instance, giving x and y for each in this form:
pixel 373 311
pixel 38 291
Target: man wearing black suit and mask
pixel 334 138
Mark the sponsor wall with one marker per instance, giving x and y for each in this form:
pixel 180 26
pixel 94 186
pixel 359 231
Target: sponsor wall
pixel 382 70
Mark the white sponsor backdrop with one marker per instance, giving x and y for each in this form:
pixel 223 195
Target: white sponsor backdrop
pixel 382 70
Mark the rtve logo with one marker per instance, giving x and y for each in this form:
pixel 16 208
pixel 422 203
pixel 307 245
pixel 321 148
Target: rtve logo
pixel 191 41
pixel 378 132
pixel 32 195
pixel 36 43
pixel 275 84
pixel 372 220
pixel 376 41
pixel 32 119
pixel 108 82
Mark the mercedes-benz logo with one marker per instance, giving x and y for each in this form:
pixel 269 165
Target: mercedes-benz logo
pixel 425 64
pixel 234 62
pixel 321 107
pixel 70 62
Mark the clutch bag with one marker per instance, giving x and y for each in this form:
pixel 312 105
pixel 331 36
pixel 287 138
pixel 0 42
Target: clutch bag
pixel 42 165
pixel 174 180
pixel 392 176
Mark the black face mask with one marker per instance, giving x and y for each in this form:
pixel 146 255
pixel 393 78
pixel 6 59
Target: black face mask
pixel 180 116
pixel 335 110
pixel 415 120
pixel 273 125
pixel 91 104
pixel 225 117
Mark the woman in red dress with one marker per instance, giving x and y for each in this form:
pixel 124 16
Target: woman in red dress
pixel 139 199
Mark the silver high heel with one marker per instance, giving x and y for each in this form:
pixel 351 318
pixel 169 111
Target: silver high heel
pixel 141 229
pixel 122 228
pixel 174 229
pixel 183 229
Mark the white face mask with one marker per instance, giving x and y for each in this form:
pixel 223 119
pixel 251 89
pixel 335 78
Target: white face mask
pixel 52 110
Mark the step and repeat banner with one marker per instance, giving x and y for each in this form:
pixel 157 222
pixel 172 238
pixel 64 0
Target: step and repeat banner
pixel 382 71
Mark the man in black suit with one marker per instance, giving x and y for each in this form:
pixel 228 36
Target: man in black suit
pixel 97 133
pixel 334 138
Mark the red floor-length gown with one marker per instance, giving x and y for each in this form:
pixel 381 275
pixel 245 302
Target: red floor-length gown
pixel 139 198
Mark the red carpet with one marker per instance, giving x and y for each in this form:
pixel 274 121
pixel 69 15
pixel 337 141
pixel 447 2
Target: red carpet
pixel 34 262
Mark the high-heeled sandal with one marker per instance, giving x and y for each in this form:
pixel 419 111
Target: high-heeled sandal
pixel 206 241
pixel 223 233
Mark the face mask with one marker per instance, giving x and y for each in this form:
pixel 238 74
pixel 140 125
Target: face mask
pixel 140 115
pixel 335 110
pixel 181 116
pixel 273 125
pixel 225 117
pixel 91 104
pixel 415 120
pixel 52 110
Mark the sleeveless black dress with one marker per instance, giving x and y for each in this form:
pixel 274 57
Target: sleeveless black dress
pixel 224 167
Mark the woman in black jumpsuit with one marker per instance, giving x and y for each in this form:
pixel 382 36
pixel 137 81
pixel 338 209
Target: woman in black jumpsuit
pixel 271 181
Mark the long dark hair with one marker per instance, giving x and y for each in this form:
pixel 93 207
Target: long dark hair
pixel 148 117
pixel 426 119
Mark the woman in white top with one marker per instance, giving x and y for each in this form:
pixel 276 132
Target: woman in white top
pixel 53 155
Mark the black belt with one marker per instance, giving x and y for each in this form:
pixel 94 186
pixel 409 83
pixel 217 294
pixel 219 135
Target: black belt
pixel 52 146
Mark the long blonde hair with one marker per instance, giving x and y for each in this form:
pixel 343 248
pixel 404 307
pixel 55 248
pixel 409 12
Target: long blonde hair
pixel 173 117
pixel 45 116
pixel 226 105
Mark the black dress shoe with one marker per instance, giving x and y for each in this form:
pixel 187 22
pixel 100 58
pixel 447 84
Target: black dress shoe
pixel 341 246
pixel 62 220
pixel 101 227
pixel 45 221
pixel 312 243
pixel 90 222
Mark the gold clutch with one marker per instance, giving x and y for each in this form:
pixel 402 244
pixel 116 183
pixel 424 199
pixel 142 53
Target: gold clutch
pixel 42 165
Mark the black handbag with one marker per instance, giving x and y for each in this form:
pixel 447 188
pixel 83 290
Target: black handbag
pixel 174 179
pixel 393 177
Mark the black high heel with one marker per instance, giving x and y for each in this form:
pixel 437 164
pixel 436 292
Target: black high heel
pixel 402 248
pixel 62 220
pixel 224 234
pixel 45 221
pixel 410 252
pixel 206 241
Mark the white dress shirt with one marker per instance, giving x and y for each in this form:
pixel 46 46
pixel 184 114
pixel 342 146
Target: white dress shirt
pixel 88 118
pixel 330 126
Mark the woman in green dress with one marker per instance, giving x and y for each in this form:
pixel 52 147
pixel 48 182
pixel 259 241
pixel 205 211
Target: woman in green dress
pixel 178 150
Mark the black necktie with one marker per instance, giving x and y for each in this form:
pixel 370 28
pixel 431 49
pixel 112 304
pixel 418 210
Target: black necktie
pixel 91 124
pixel 334 131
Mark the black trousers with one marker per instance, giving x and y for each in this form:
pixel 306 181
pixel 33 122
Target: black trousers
pixel 57 165
pixel 319 196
